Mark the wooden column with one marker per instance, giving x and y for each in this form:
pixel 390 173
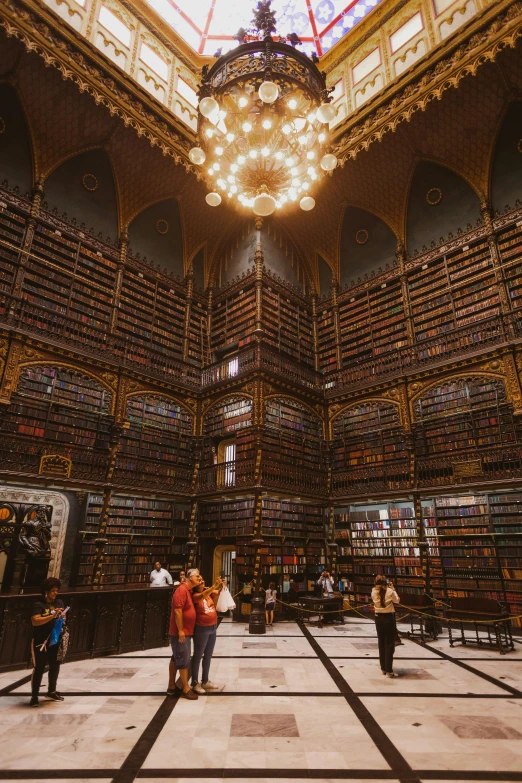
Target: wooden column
pixel 10 376
pixel 186 330
pixel 192 543
pixel 401 258
pixel 101 539
pixel 257 540
pixel 123 244
pixel 487 216
pixel 259 261
pixel 337 330
pixel 314 331
pixel 16 291
pixel 207 359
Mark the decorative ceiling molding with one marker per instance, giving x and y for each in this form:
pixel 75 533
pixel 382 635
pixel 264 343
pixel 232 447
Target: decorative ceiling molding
pixel 77 60
pixel 464 59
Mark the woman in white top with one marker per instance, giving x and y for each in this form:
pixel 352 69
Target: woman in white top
pixel 270 599
pixel 384 597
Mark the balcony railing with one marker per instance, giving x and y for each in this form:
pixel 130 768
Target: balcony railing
pixel 279 475
pixel 226 475
pixel 151 474
pixel 24 457
pixel 487 465
pixel 261 357
pixel 377 478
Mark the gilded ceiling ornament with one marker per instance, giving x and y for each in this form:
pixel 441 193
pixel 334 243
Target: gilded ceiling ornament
pixel 2 125
pixel 90 182
pixel 362 236
pixel 162 226
pixel 434 196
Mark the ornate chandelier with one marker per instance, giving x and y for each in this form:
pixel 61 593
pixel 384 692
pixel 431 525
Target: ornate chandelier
pixel 263 121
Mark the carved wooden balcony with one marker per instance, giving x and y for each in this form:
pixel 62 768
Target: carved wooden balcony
pixel 375 478
pixel 49 458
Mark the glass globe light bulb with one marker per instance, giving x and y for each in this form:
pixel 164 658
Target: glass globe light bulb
pixel 233 189
pixel 290 162
pixel 267 124
pixel 302 140
pixel 292 103
pixel 264 205
pixel 312 117
pixel 328 162
pixel 253 154
pixel 286 129
pixel 326 113
pixel 209 133
pixel 208 107
pixel 216 166
pixel 310 155
pixel 293 170
pixel 197 156
pixel 307 203
pixel 219 150
pixel 213 199
pixel 231 179
pixel 247 127
pixel 296 182
pixel 268 92
pixel 234 167
pixel 321 137
pixel 230 137
pixel 279 155
pixel 265 152
pixel 241 159
pixel 242 102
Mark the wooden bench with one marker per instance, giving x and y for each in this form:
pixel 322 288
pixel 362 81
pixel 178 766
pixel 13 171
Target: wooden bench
pixel 484 615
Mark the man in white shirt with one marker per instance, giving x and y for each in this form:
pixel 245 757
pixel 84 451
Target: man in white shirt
pixel 326 583
pixel 159 577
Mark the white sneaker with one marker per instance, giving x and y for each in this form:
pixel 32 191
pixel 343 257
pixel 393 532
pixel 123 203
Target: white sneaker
pixel 392 674
pixel 209 686
pixel 198 689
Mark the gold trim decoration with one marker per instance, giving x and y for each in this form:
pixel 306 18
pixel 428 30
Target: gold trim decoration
pixel 3 126
pixel 519 145
pixel 162 226
pixel 90 182
pixel 362 236
pixel 434 196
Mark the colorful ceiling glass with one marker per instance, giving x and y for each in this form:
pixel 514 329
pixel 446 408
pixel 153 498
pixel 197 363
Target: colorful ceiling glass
pixel 208 26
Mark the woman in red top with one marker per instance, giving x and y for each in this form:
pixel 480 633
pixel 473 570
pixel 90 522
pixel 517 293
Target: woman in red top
pixel 204 634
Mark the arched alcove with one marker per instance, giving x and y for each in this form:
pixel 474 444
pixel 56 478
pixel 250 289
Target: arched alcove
pixel 198 268
pixel 325 276
pixel 439 202
pixel 84 188
pixel 15 143
pixel 156 234
pixel 506 168
pixel 367 243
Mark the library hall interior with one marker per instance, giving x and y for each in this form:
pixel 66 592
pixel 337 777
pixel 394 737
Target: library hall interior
pixel 261 391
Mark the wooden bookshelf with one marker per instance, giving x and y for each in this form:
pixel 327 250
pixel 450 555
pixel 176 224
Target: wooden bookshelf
pixel 463 415
pixel 292 434
pixel 228 416
pixel 369 434
pixel 233 316
pixel 57 404
pixel 287 324
pixel 139 532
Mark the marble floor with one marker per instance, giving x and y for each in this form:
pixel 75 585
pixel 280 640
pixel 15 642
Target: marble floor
pixel 299 703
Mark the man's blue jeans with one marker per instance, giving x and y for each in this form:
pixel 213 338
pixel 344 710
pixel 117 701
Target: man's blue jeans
pixel 204 642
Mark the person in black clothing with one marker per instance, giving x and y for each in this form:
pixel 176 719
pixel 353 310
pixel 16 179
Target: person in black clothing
pixel 43 616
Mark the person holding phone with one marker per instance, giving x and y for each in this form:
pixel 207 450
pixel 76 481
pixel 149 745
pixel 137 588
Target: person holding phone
pixel 44 615
pixel 384 597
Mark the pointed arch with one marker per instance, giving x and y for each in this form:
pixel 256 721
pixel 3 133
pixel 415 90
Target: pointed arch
pixel 505 168
pixel 17 159
pixel 367 243
pixel 84 186
pixel 439 201
pixel 156 232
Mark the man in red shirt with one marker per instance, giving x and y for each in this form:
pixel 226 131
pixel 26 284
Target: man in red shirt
pixel 182 622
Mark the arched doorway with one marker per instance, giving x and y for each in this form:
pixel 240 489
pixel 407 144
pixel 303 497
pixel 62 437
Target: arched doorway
pixel 225 565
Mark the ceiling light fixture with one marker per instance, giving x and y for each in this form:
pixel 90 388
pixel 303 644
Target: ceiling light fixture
pixel 264 104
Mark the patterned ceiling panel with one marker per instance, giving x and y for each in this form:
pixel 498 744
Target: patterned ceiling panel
pixel 62 120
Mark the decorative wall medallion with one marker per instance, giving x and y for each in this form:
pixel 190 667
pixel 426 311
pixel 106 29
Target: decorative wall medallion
pixel 3 126
pixel 162 227
pixel 362 236
pixel 434 196
pixel 90 182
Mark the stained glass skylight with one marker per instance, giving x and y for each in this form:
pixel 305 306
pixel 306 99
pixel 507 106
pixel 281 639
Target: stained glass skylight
pixel 209 25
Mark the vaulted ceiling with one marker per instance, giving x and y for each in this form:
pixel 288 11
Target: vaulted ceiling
pixel 458 131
